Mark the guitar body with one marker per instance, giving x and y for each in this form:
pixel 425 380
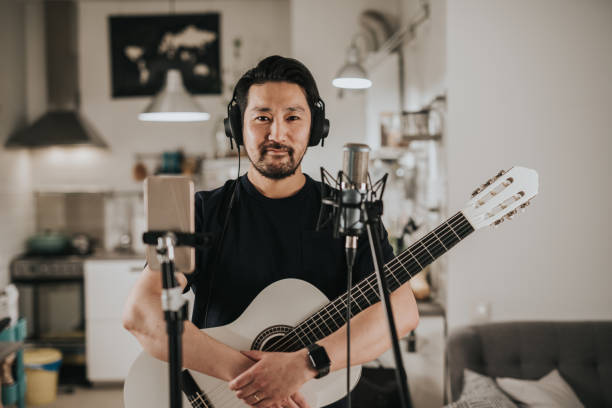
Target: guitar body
pixel 266 318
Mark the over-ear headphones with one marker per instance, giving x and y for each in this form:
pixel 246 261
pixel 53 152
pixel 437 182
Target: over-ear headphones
pixel 319 125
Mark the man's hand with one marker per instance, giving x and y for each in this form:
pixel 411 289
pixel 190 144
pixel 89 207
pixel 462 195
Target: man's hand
pixel 274 380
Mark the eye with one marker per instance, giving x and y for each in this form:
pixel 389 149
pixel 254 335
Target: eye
pixel 262 118
pixel 293 117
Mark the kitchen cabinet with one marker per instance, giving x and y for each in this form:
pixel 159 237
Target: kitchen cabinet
pixel 110 349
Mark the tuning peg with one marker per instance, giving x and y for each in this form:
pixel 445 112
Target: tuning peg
pixel 475 192
pixel 496 223
pixel 523 206
pixel 500 173
pixel 511 214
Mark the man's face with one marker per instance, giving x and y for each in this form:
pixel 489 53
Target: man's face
pixel 276 128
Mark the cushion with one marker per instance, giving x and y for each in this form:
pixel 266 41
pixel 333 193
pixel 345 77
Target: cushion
pixel 549 391
pixel 480 391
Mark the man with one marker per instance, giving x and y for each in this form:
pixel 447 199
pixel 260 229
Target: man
pixel 270 235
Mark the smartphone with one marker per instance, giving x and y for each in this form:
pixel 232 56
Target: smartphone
pixel 169 207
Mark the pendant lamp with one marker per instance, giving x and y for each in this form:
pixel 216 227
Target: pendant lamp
pixel 173 103
pixel 352 75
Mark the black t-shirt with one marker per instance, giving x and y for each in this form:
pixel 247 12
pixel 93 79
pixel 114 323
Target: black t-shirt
pixel 266 240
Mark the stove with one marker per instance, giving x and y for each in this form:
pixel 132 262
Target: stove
pixel 51 298
pixel 38 268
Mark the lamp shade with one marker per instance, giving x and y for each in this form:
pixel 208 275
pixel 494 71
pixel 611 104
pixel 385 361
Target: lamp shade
pixel 352 75
pixel 173 103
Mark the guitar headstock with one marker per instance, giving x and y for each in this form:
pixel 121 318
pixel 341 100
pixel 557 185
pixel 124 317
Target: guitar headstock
pixel 501 197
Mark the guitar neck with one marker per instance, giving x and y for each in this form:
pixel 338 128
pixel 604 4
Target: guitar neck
pixel 397 271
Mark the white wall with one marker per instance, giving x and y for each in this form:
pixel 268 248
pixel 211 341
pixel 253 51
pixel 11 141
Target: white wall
pixel 530 83
pixel 425 55
pixel 321 33
pixel 16 208
pixel 264 29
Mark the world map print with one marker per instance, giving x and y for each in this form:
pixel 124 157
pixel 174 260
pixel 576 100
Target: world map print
pixel 143 48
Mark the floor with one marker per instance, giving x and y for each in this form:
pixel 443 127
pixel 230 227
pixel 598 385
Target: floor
pixel 99 396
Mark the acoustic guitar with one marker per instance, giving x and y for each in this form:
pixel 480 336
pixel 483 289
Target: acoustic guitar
pixel 269 324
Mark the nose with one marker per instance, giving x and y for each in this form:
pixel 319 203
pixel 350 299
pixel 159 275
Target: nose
pixel 278 130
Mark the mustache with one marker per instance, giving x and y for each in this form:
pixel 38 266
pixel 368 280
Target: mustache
pixel 274 145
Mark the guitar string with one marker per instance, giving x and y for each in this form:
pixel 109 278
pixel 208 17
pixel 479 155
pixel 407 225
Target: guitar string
pixel 454 221
pixel 305 326
pixel 389 269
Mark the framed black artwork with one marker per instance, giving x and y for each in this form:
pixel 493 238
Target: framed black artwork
pixel 143 48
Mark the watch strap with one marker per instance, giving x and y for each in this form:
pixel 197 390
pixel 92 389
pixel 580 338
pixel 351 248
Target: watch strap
pixel 319 359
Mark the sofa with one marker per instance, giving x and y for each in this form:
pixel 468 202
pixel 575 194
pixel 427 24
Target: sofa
pixel 580 350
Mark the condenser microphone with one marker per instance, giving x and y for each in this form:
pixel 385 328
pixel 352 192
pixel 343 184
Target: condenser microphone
pixel 354 187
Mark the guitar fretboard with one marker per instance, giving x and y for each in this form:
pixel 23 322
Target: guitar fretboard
pixel 397 271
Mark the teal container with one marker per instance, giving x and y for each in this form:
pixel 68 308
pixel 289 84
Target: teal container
pixel 15 393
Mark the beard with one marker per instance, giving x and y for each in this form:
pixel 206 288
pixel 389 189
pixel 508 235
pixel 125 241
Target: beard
pixel 276 167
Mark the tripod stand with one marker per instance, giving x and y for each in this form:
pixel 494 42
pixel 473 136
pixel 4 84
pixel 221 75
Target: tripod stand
pixel 173 303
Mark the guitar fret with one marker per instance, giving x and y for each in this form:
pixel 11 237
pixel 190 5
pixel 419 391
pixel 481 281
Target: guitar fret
pixel 423 245
pixel 354 301
pixel 394 277
pixel 399 259
pixel 325 323
pixel 311 339
pixel 320 334
pixel 299 337
pixel 363 294
pixel 413 257
pixel 434 249
pixel 328 319
pixel 435 235
pixel 338 313
pixel 451 228
pixel 374 287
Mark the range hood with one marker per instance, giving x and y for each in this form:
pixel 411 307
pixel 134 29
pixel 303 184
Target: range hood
pixel 63 124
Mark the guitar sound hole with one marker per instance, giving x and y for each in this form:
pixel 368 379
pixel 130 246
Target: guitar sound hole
pixel 267 339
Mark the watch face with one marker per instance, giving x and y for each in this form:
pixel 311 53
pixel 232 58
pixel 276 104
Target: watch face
pixel 319 358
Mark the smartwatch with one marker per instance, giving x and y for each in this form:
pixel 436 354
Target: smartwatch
pixel 319 359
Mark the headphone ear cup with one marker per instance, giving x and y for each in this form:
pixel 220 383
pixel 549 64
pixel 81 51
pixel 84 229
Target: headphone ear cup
pixel 228 128
pixel 325 130
pixel 320 125
pixel 233 123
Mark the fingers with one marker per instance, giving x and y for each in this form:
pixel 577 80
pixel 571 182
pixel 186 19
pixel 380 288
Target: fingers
pixel 299 400
pixel 181 279
pixel 241 381
pixel 247 391
pixel 291 403
pixel 255 400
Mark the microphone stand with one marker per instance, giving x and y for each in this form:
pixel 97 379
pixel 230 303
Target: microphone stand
pixel 372 210
pixel 173 303
pixel 370 205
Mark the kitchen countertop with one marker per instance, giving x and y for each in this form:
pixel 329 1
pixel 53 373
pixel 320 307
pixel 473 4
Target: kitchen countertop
pixel 111 255
pixel 96 255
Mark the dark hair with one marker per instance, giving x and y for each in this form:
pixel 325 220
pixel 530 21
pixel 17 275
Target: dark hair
pixel 277 69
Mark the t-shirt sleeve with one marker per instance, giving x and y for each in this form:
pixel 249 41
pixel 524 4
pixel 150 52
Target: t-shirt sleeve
pixel 363 262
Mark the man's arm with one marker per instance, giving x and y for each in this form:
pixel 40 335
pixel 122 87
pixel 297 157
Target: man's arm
pixel 369 339
pixel 144 318
pixel 370 332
